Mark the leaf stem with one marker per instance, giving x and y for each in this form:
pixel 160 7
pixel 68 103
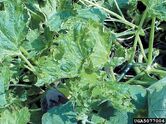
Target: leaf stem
pixel 142 49
pixel 34 110
pixel 112 74
pixel 136 77
pixel 157 71
pixel 152 70
pixel 117 6
pixel 112 13
pixel 26 60
pixel 151 40
pixel 19 85
pixel 137 35
pixel 24 51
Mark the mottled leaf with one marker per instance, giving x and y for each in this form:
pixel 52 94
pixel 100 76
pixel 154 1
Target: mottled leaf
pixel 13 22
pixel 156 8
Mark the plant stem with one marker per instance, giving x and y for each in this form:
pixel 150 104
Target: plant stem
pixel 125 71
pixel 19 85
pixel 112 74
pixel 34 100
pixel 117 6
pixel 137 35
pixel 142 49
pixel 152 70
pixel 139 82
pixel 137 70
pixel 112 13
pixel 124 33
pixel 157 71
pixel 24 51
pixel 136 77
pixel 134 46
pixel 151 40
pixel 26 60
pixel 34 110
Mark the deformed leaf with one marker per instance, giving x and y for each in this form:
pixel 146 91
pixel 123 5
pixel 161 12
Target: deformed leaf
pixel 57 12
pixel 156 8
pixel 101 50
pixel 63 65
pixel 82 43
pixel 123 4
pixel 35 43
pixel 13 21
pixel 92 13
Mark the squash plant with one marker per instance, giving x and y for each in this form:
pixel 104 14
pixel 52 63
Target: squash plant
pixel 81 61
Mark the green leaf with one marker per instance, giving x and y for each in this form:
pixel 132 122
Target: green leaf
pixel 2 94
pixel 101 50
pixel 111 116
pixel 82 43
pixel 4 84
pixel 126 3
pixel 121 54
pixel 97 119
pixel 139 95
pixel 36 16
pixel 116 61
pixel 91 84
pixel 13 22
pixel 156 99
pixel 120 117
pixel 92 13
pixel 63 114
pixel 156 8
pixel 64 64
pixel 35 43
pixel 57 12
pixel 123 4
pixel 36 117
pixel 21 116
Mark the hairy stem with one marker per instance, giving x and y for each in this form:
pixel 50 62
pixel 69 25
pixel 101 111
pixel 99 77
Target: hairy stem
pixel 151 40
